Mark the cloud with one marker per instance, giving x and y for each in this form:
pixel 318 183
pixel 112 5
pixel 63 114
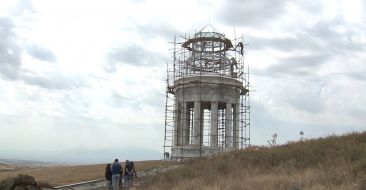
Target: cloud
pixel 55 81
pixel 296 65
pixel 279 43
pixel 156 28
pixel 304 96
pixel 11 62
pixel 41 53
pixel 251 12
pixel 132 54
pixel 358 75
pixel 155 98
pixel 286 106
pixel 333 36
pixel 23 6
pixel 267 118
pixel 10 52
pixel 118 100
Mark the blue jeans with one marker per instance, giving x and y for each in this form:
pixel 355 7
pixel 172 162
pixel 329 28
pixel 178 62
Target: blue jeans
pixel 109 184
pixel 115 182
pixel 128 180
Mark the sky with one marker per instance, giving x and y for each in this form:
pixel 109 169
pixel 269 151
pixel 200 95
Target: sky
pixel 84 81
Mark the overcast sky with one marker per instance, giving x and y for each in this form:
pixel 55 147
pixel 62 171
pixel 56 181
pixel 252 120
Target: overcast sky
pixel 83 81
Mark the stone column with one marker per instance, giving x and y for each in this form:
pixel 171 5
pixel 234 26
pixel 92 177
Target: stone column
pixel 202 125
pixel 185 124
pixel 228 127
pixel 182 124
pixel 236 125
pixel 189 132
pixel 177 127
pixel 214 123
pixel 197 123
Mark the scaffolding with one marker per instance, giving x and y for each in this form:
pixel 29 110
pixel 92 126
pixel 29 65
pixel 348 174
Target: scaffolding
pixel 207 60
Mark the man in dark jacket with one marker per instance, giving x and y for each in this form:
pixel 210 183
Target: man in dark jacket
pixel 116 168
pixel 129 171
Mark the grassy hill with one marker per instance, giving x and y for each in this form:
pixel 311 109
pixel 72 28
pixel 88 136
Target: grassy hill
pixel 335 162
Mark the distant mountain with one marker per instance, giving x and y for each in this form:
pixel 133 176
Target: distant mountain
pixel 28 163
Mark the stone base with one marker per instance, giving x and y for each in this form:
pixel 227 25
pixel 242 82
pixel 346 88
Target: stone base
pixel 192 151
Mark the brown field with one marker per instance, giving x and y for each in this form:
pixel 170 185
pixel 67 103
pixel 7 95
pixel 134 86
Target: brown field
pixel 332 163
pixel 62 175
pixel 7 167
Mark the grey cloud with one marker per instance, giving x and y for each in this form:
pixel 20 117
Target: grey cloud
pixel 307 101
pixel 296 80
pixel 139 55
pixel 8 72
pixel 53 82
pixel 10 51
pixel 10 62
pixel 76 103
pixel 41 53
pixel 259 13
pixel 323 37
pixel 118 100
pixel 155 98
pixel 251 12
pixel 295 65
pixel 22 7
pixel 309 6
pixel 302 94
pixel 133 55
pixel 306 42
pixel 329 39
pixel 157 28
pixel 284 44
pixel 359 75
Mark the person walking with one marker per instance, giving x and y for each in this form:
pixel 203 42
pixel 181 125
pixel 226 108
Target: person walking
pixel 116 168
pixel 108 175
pixel 134 173
pixel 121 176
pixel 128 173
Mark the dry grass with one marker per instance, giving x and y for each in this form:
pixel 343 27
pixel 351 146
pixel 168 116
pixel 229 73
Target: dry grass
pixel 333 163
pixel 61 175
pixel 7 167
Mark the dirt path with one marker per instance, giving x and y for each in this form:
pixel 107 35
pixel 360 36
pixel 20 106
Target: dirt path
pixel 138 183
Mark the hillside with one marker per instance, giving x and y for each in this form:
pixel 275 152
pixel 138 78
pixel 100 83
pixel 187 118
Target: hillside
pixel 323 164
pixel 28 163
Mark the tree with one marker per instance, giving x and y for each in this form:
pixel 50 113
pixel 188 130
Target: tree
pixel 273 141
pixel 301 135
